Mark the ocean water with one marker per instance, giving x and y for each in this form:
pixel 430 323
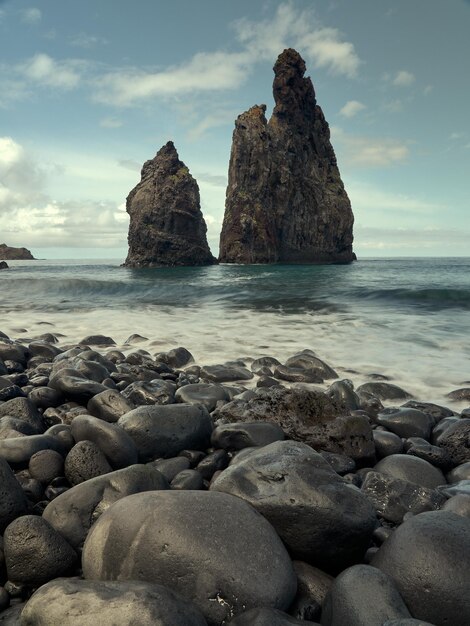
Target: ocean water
pixel 408 319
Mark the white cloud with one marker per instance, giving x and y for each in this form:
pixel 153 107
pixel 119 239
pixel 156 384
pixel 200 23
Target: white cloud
pixel 43 69
pixel 352 108
pixel 86 41
pixel 129 164
pixel 111 122
pixel 371 152
pixel 212 120
pixel 393 106
pixel 369 200
pixel 427 90
pixel 455 136
pixel 403 78
pixel 31 15
pixel 411 240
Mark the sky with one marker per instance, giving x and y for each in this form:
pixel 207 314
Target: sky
pixel 90 90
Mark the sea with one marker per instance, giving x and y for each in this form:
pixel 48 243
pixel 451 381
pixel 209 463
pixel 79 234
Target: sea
pixel 407 319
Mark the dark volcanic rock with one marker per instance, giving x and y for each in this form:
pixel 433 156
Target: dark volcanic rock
pixel 12 499
pixel 14 254
pixel 211 547
pixel 285 198
pixel 166 224
pixel 312 587
pixel 78 602
pixel 4 265
pixel 266 617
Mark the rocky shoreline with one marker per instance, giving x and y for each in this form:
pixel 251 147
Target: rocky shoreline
pixel 148 489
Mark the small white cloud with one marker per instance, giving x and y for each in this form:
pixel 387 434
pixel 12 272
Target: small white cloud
pixel 352 108
pixel 427 90
pixel 43 69
pixel 394 106
pixel 456 136
pixel 370 152
pixel 111 122
pixel 129 164
pixel 31 15
pixel 213 120
pixel 403 78
pixel 83 40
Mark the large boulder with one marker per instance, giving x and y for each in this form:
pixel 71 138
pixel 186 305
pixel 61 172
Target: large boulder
pixel 166 223
pixel 321 518
pixel 428 557
pixel 212 548
pixel 13 501
pixel 75 602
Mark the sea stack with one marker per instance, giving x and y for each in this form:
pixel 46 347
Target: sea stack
pixel 286 202
pixel 166 227
pixel 9 253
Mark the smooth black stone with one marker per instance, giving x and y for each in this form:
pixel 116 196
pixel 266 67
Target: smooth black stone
pixel 460 394
pixel 13 502
pixel 188 479
pixel 97 340
pixel 428 556
pixel 309 361
pixel 340 463
pixel 117 446
pixel 460 488
pixel 362 596
pixel 75 602
pixel 442 426
pixel 225 373
pixel 455 440
pixel 74 386
pixel 19 450
pixel 4 599
pixel 152 392
pixel 43 348
pixel 171 467
pixel 406 422
pixel 32 488
pixel 239 435
pixel 46 465
pixel 85 461
pixel 213 462
pixel 384 391
pixel 178 357
pixel 411 469
pixel 9 391
pixel 459 504
pixel 45 397
pixel 152 536
pixel 342 391
pixel 14 427
pixel 63 433
pixel 386 443
pixel 265 361
pixel 465 412
pixel 318 515
pixel 11 617
pixel 297 374
pixel 267 617
pixel 369 403
pixel 432 454
pixel 194 456
pixel 435 411
pixel 12 351
pixel 36 553
pixel 109 405
pixel 164 431
pixel 52 492
pixel 24 409
pixel 266 381
pixel 461 472
pixel 72 513
pixel 312 587
pixel 381 534
pixel 394 498
pixel 202 393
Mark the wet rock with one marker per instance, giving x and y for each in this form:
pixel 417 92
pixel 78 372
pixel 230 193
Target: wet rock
pixel 176 358
pixel 386 443
pixel 36 553
pixel 411 469
pixel 78 602
pixel 266 617
pixel 171 549
pixel 13 501
pixel 428 556
pixel 406 422
pixel 152 392
pixel 384 391
pixel 341 464
pixel 460 394
pixel 285 198
pixel 72 513
pixel 342 392
pixel 12 351
pixel 435 411
pixel 188 479
pixel 459 504
pixel 166 224
pixel 46 465
pixel 171 467
pixel 25 410
pixel 318 515
pixel 84 461
pixel 264 362
pixel 455 440
pixel 426 451
pixel 109 405
pixel 225 373
pixel 312 587
pixel 202 393
pixel 163 431
pixel 213 462
pixel 461 472
pixel 241 435
pixel 394 498
pixel 97 340
pixel 362 596
pixel 45 397
pixel 74 386
pixel 19 450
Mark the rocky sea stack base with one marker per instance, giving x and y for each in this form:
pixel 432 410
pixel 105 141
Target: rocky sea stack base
pixel 8 253
pixel 166 227
pixel 140 488
pixel 286 202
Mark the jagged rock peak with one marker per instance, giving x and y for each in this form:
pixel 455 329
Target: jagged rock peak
pixel 14 254
pixel 285 198
pixel 166 226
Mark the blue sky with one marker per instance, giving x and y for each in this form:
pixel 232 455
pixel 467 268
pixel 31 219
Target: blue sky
pixel 90 90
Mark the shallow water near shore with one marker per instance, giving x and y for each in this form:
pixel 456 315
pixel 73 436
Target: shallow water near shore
pixel 407 319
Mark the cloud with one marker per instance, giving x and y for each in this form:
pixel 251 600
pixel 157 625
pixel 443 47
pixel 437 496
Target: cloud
pixel 211 179
pixel 429 88
pixel 373 200
pixel 128 164
pixel 413 239
pixel 83 40
pixel 212 120
pixel 454 136
pixel 111 122
pixel 370 152
pixel 403 78
pixel 352 108
pixel 31 15
pixel 393 106
pixel 44 70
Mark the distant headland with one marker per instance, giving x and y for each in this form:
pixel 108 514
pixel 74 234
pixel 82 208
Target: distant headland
pixel 9 253
pixel 285 200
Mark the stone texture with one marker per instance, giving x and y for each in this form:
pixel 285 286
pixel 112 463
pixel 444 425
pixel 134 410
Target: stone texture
pixel 166 227
pixel 285 198
pixel 14 254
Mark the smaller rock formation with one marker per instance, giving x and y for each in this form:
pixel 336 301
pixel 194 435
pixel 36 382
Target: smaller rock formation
pixel 3 265
pixel 15 254
pixel 166 227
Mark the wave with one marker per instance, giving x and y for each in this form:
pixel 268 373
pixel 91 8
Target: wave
pixel 429 297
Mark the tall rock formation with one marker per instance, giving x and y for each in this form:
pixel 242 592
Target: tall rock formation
pixel 285 198
pixel 166 226
pixel 15 254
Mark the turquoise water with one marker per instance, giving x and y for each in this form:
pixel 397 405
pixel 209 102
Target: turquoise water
pixel 406 318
